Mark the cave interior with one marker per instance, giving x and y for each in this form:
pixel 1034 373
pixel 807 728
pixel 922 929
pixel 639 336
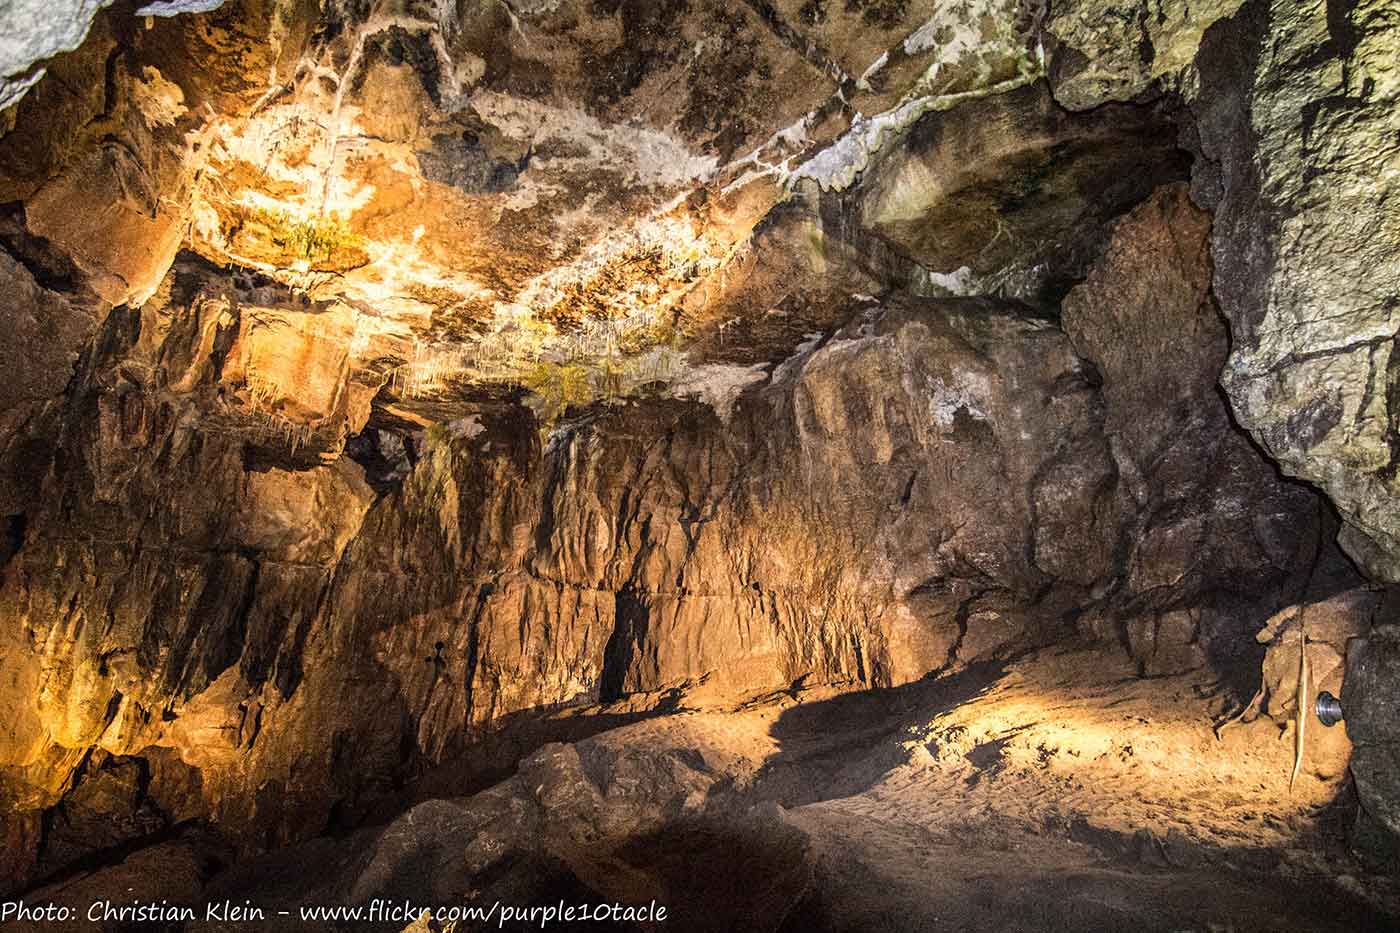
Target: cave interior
pixel 804 465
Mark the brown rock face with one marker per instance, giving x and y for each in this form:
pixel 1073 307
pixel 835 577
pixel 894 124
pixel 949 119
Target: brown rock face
pixel 40 348
pixel 391 392
pixel 1200 522
pixel 122 127
pixel 931 484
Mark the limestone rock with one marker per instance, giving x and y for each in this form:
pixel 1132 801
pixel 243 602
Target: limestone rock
pixel 1302 127
pixel 128 136
pixel 388 384
pixel 34 32
pixel 1370 700
pixel 1201 514
pixel 171 872
pixel 650 813
pixel 1014 183
pixel 926 486
pixel 40 350
pixel 1114 51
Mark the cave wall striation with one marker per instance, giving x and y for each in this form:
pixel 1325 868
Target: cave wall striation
pixel 381 380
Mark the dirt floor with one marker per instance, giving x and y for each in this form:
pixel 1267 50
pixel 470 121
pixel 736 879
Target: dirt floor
pixel 1055 792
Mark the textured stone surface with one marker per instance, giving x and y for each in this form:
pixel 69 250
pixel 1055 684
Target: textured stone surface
pixel 1297 108
pixel 173 872
pixel 502 186
pixel 124 127
pixel 1370 699
pixel 39 349
pixel 949 802
pixel 1200 520
pixel 1015 184
pixel 932 484
pixel 632 565
pixel 602 820
pixel 1295 116
pixel 33 32
pixel 464 365
pixel 1115 50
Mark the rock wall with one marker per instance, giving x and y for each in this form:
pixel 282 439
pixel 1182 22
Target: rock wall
pixel 1299 134
pixel 1369 699
pixel 298 428
pixel 236 553
pixel 1293 115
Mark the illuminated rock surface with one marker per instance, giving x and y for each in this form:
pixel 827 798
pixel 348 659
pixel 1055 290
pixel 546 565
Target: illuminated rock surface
pixel 403 403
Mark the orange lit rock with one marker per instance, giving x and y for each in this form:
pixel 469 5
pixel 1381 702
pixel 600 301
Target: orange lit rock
pixel 386 387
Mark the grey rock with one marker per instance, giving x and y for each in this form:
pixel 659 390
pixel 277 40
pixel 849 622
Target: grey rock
pixel 1371 699
pixel 176 7
pixel 1297 105
pixel 1015 183
pixel 32 32
pixel 1116 50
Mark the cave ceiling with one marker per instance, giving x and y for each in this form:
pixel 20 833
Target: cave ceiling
pixel 584 200
pixel 407 210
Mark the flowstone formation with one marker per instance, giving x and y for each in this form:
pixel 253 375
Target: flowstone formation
pixel 398 390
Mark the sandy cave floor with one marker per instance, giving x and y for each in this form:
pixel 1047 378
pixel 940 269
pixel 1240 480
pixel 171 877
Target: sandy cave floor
pixel 1058 791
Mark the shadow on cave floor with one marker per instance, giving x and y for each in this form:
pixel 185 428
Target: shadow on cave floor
pixel 1057 791
pixel 497 755
pixel 1050 791
pixel 843 745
